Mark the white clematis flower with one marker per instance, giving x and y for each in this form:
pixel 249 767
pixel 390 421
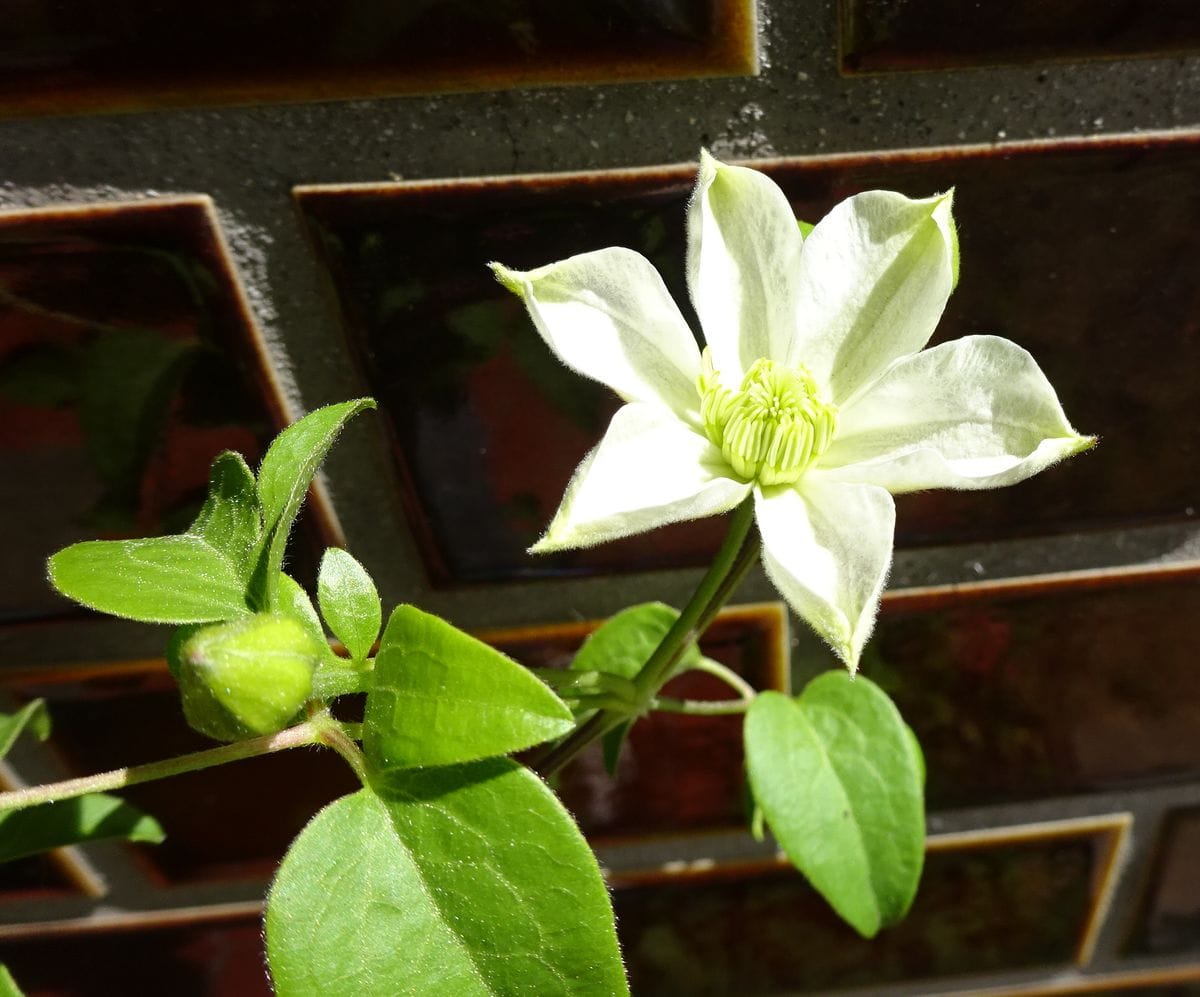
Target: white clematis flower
pixel 813 393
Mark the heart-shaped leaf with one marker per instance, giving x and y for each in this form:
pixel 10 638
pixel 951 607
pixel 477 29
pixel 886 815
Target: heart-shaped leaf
pixel 441 697
pixel 839 776
pixel 469 880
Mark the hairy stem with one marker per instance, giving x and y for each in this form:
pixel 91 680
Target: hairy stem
pixel 726 675
pixel 738 552
pixel 702 707
pixel 310 732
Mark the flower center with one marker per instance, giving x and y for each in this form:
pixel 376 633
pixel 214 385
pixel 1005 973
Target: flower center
pixel 773 427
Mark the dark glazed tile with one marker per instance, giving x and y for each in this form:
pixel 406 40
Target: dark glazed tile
pixel 128 360
pixel 198 959
pixel 880 35
pixel 1018 695
pixel 1079 251
pixel 1170 920
pixel 677 773
pixel 132 54
pixel 988 906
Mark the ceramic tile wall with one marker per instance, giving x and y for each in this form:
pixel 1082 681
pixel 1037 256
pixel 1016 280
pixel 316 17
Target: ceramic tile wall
pixel 263 260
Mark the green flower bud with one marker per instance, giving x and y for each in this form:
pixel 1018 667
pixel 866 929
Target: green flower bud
pixel 245 677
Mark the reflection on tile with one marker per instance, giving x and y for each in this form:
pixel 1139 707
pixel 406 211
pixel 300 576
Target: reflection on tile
pixel 128 360
pixel 1008 903
pixel 1020 695
pixel 879 35
pixel 1170 921
pixel 199 959
pixel 133 716
pixel 677 773
pixel 130 54
pixel 1065 248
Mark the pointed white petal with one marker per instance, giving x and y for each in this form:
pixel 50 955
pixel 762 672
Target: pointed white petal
pixel 649 470
pixel 974 413
pixel 608 315
pixel 743 260
pixel 827 547
pixel 874 278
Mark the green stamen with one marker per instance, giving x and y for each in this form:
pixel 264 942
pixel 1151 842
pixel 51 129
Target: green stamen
pixel 773 427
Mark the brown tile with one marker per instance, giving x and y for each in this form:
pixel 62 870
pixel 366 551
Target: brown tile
pixel 1066 248
pixel 1016 695
pixel 1004 903
pixel 880 35
pixel 132 54
pixel 198 959
pixel 1170 919
pixel 677 773
pixel 128 360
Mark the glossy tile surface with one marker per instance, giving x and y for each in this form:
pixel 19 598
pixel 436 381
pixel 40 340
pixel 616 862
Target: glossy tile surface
pixel 127 362
pixel 1170 920
pixel 1018 696
pixel 1000 906
pixel 200 959
pixel 1072 250
pixel 879 35
pixel 132 54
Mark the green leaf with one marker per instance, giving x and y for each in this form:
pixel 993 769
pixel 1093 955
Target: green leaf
pixel 286 471
pixel 349 602
pixel 805 227
pixel 180 579
pixel 468 880
pixel 32 715
pixel 838 775
pixel 622 645
pixel 72 822
pixel 8 986
pixel 230 519
pixel 441 697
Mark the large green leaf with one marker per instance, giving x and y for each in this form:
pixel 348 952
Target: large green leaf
pixel 349 602
pixel 469 880
pixel 838 775
pixel 180 579
pixel 32 715
pixel 441 697
pixel 230 519
pixel 73 822
pixel 286 471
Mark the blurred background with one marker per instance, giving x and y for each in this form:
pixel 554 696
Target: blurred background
pixel 216 217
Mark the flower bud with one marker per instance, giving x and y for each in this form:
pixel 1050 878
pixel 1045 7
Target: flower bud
pixel 245 677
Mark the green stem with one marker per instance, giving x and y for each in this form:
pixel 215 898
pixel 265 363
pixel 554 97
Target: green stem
pixel 702 707
pixel 310 732
pixel 726 675
pixel 738 552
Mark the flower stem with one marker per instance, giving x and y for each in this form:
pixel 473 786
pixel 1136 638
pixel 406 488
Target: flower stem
pixel 737 553
pixel 702 707
pixel 312 731
pixel 726 675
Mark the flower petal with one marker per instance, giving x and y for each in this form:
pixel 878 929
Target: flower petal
pixel 827 547
pixel 649 470
pixel 974 413
pixel 874 278
pixel 743 259
pixel 608 315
